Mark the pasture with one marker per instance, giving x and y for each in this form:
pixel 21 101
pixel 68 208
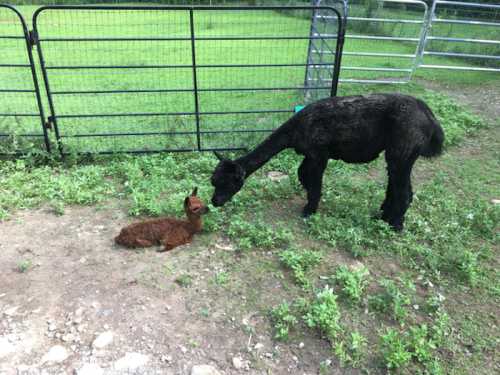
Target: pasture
pixel 337 293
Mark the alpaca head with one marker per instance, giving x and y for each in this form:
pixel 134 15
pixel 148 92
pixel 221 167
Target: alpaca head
pixel 228 179
pixel 193 206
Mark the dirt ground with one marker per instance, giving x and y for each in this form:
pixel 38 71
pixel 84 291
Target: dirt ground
pixel 83 305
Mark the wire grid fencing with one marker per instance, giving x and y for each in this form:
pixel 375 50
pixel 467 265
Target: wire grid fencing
pixel 464 36
pixel 21 112
pixel 384 40
pixel 148 79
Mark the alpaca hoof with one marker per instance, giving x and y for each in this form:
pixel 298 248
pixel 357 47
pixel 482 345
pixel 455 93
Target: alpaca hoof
pixel 306 212
pixel 397 227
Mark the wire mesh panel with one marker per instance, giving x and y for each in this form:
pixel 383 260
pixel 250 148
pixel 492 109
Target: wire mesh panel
pixel 464 36
pixel 384 39
pixel 145 79
pixel 21 114
pixel 319 76
pixel 250 69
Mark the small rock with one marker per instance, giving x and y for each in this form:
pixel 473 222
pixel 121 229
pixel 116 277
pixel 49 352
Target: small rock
pixel 103 340
pixel 166 358
pixel 226 247
pixel 56 354
pixel 131 361
pixel 204 370
pixel 52 327
pixel 183 349
pixel 276 176
pixel 258 346
pixel 12 311
pixel 5 347
pixel 495 201
pixel 90 369
pixel 301 345
pixel 269 355
pixel 238 363
pixel 69 337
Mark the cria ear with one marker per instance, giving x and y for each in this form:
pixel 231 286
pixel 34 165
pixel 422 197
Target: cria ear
pixel 195 192
pixel 218 155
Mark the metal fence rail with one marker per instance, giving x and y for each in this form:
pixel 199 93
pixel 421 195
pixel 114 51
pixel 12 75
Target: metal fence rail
pixel 387 34
pixel 22 121
pixel 153 78
pixel 467 32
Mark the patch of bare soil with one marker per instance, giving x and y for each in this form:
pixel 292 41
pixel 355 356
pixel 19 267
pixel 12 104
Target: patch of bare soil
pixel 63 283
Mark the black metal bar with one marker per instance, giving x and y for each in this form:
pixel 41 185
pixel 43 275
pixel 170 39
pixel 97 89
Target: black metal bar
pixel 341 30
pixel 53 116
pixel 175 150
pixel 19 114
pixel 17 90
pixel 195 79
pixel 229 89
pixel 209 66
pixel 27 135
pixel 188 7
pixel 15 65
pixel 93 135
pixel 186 39
pixel 94 115
pixel 31 65
pixel 9 36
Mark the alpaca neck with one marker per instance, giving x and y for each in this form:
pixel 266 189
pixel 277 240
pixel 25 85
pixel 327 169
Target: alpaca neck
pixel 272 145
pixel 195 224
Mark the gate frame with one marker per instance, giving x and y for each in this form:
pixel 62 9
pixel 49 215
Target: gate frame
pixel 433 19
pixel 29 41
pixel 195 90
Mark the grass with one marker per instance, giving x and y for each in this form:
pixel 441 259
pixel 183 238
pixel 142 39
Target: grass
pixel 401 310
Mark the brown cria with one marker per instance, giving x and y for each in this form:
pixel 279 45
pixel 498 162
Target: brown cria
pixel 168 232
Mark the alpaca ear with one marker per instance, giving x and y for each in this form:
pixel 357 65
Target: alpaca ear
pixel 195 192
pixel 218 155
pixel 186 202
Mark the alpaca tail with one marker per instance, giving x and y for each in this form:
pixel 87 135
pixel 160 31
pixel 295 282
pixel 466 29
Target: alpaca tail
pixel 434 146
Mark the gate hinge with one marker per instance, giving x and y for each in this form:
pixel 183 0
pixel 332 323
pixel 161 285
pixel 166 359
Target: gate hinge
pixel 33 38
pixel 49 122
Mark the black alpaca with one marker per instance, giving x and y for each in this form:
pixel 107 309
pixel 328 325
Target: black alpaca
pixel 355 129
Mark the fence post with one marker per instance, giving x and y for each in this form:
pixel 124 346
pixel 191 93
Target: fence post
pixel 426 27
pixel 195 80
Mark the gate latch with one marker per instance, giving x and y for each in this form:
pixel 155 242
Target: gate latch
pixel 49 122
pixel 33 39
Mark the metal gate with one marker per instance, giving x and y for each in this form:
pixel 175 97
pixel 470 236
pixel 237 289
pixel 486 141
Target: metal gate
pixel 152 78
pixel 464 36
pixel 21 113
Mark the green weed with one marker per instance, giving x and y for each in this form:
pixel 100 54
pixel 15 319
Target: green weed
pixel 300 262
pixel 392 299
pixel 394 349
pixel 324 313
pixel 352 282
pixel 24 265
pixel 184 280
pixel 283 320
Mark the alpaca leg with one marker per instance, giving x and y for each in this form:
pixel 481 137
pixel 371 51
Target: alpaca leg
pixel 311 177
pixel 399 194
pixel 143 243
